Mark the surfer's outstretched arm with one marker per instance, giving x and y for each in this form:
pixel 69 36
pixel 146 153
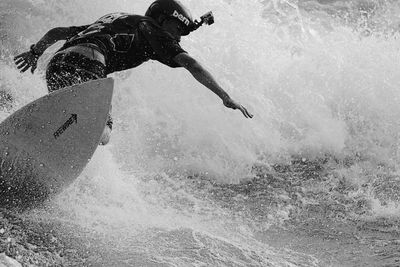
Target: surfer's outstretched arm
pixel 29 59
pixel 205 78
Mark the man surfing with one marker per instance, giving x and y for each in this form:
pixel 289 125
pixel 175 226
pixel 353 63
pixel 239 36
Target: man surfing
pixel 121 41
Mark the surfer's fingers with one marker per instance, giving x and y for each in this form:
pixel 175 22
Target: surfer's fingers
pixel 245 112
pixel 18 57
pixel 22 65
pixel 18 60
pixel 249 114
pixel 21 56
pixel 25 69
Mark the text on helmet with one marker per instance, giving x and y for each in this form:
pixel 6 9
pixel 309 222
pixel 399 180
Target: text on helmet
pixel 181 17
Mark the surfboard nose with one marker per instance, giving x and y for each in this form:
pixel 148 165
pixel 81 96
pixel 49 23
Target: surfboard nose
pixel 45 145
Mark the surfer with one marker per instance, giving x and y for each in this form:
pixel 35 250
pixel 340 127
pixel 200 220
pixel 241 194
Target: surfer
pixel 121 41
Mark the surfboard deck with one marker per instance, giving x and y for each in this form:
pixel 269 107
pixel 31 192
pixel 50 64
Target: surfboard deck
pixel 45 145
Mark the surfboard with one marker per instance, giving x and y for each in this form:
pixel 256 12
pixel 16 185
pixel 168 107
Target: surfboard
pixel 45 145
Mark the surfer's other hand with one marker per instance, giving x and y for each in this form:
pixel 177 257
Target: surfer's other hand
pixel 230 103
pixel 25 61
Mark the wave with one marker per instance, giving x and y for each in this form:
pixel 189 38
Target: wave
pixel 186 181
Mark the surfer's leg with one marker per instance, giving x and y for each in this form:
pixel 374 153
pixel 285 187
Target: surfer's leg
pixel 58 77
pixel 75 65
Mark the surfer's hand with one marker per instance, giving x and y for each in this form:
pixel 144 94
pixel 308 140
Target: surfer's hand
pixel 230 103
pixel 26 60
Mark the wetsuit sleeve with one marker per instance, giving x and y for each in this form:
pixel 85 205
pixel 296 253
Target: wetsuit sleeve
pixel 164 46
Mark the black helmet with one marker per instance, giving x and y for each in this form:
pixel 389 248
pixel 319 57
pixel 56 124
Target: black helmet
pixel 159 10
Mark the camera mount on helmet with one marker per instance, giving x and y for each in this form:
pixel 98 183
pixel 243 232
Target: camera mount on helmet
pixel 207 18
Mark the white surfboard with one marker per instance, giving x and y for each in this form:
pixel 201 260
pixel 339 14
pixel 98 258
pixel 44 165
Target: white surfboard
pixel 46 144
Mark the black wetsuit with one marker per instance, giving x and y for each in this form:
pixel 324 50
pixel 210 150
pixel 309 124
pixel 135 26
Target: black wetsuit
pixel 115 42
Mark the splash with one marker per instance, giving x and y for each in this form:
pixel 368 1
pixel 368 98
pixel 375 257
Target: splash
pixel 321 79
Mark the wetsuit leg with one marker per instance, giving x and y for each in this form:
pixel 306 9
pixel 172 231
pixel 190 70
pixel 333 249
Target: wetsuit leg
pixel 70 68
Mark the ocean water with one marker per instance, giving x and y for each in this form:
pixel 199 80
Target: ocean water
pixel 312 180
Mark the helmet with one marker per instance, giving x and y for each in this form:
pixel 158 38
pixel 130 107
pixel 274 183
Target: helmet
pixel 159 10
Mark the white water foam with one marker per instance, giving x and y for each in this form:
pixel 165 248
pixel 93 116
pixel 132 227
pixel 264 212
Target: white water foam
pixel 315 86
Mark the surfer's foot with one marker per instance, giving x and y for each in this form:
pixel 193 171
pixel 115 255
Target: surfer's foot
pixel 105 137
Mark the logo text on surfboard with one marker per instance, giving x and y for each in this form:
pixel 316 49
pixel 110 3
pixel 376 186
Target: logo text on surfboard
pixel 65 126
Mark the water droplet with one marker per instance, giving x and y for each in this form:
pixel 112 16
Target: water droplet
pixel 42 126
pixel 7 133
pixel 64 111
pixel 41 165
